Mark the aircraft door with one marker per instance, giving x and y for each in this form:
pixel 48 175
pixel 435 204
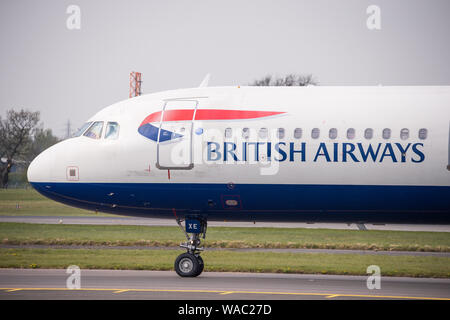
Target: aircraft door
pixel 174 145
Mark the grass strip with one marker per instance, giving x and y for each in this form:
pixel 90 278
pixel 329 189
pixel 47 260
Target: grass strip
pixel 224 237
pixel 227 261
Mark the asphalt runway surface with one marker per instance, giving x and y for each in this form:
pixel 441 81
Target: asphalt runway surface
pixel 166 285
pixel 96 220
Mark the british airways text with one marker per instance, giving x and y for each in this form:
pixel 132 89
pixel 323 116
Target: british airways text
pixel 323 152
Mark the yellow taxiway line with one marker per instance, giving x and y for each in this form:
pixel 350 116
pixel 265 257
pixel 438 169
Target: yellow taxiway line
pixel 221 292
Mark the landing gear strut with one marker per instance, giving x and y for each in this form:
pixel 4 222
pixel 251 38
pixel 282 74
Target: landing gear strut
pixel 190 264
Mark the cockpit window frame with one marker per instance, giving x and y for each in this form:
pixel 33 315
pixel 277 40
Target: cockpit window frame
pixel 108 137
pixel 83 129
pixel 94 123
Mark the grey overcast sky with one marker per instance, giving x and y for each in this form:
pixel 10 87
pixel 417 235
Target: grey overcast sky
pixel 71 74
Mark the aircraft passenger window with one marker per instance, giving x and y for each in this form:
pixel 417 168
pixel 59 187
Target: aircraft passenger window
pixel 263 133
pixel 404 134
pixel 315 133
pixel 298 133
pixel 95 131
pixel 386 133
pixel 245 133
pixel 280 133
pixel 368 133
pixel 350 133
pixel 423 133
pixel 333 133
pixel 112 130
pixel 228 133
pixel 82 129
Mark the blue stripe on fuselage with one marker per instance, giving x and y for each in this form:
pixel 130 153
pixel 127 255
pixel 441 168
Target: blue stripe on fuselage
pixel 268 202
pixel 150 131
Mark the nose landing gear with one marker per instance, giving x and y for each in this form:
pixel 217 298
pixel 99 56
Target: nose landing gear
pixel 190 264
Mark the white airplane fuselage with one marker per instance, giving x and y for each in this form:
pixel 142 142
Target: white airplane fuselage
pixel 261 153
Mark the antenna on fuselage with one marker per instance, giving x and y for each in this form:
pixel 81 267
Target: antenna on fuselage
pixel 205 81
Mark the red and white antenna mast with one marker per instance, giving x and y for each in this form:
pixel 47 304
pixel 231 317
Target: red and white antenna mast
pixel 135 84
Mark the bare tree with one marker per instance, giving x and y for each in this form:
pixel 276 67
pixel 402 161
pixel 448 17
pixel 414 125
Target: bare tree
pixel 15 140
pixel 288 80
pixel 264 82
pixel 42 139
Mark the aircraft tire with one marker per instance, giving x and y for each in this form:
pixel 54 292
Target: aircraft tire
pixel 201 265
pixel 187 265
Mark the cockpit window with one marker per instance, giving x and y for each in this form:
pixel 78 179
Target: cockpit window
pixel 82 129
pixel 112 130
pixel 95 131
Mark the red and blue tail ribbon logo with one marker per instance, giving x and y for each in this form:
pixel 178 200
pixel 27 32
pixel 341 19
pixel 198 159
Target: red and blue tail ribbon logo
pixel 149 128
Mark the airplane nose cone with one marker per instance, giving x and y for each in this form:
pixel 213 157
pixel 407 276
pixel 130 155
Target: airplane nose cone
pixel 40 169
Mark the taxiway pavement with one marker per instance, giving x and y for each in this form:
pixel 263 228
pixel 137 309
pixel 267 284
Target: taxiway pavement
pixel 163 285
